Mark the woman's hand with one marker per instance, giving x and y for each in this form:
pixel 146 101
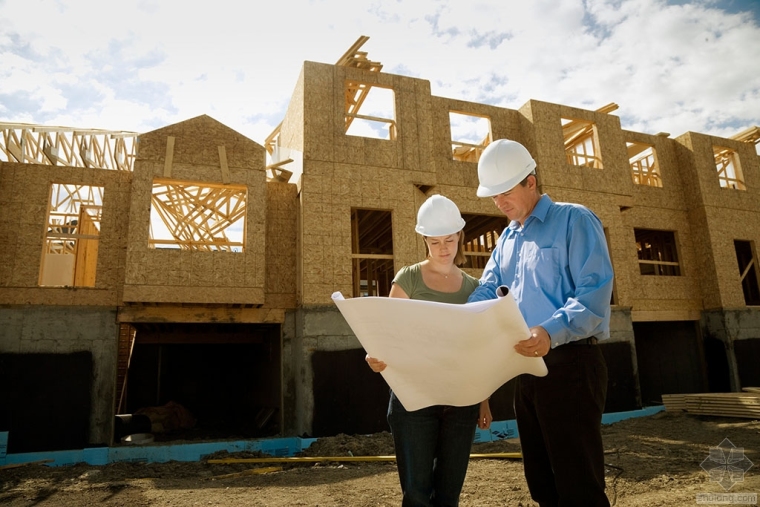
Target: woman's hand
pixel 376 364
pixel 485 417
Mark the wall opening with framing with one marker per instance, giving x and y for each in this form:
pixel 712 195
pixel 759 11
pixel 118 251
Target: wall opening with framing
pixel 746 256
pixel 372 252
pixel 729 169
pixel 658 253
pixel 581 143
pixel 644 166
pixel 480 235
pixel 197 216
pixel 470 134
pixel 370 110
pixel 70 252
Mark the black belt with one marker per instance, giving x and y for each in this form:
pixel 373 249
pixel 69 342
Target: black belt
pixel 586 341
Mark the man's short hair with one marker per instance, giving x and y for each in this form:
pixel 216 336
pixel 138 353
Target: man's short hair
pixel 525 180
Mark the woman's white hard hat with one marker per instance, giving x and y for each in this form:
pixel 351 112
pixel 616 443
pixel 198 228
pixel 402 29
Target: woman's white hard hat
pixel 502 166
pixel 439 216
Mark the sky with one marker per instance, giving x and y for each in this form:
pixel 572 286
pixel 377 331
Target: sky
pixel 138 65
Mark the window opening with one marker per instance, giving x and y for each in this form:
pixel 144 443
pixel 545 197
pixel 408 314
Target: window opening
pixel 746 256
pixel 481 232
pixel 370 111
pixel 581 143
pixel 70 255
pixel 644 166
pixel 470 134
pixel 729 170
pixel 200 217
pixel 372 252
pixel 657 252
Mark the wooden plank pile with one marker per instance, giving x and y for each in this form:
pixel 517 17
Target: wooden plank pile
pixel 745 404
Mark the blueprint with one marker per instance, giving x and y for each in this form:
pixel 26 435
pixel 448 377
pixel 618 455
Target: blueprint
pixel 439 353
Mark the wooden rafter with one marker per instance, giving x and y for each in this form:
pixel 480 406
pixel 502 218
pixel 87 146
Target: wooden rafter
pixel 751 135
pixel 66 146
pixel 576 129
pixel 197 216
pixel 355 58
pixel 356 92
pixel 644 165
pixel 729 172
pixel 581 143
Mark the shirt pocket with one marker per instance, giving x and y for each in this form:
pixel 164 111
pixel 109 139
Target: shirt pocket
pixel 543 269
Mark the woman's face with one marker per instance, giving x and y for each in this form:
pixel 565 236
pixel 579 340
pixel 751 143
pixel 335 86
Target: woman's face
pixel 443 248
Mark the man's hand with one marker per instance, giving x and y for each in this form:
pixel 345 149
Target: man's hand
pixel 538 345
pixel 376 364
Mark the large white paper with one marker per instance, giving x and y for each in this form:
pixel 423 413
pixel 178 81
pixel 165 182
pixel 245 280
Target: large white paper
pixel 438 353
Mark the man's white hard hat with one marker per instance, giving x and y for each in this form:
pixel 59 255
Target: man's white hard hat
pixel 502 166
pixel 439 216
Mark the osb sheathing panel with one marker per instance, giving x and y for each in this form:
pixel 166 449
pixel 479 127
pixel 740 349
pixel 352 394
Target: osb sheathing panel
pixel 292 127
pixel 196 143
pixel 549 152
pixel 718 215
pixel 733 225
pixel 671 194
pixel 698 165
pixel 281 247
pixel 24 200
pixel 504 125
pixel 167 275
pixel 324 133
pixel 652 290
pixel 328 193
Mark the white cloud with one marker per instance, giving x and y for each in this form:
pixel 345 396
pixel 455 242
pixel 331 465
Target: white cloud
pixel 671 67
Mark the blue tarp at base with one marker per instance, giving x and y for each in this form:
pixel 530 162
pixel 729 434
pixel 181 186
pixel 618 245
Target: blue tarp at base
pixel 501 430
pixel 289 446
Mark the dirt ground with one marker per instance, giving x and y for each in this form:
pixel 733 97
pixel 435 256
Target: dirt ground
pixel 652 461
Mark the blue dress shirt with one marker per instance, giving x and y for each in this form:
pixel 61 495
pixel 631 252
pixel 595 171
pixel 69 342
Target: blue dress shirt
pixel 558 269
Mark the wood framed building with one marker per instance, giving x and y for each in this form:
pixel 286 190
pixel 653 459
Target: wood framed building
pixel 178 265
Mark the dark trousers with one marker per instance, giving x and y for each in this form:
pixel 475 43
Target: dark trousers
pixel 559 419
pixel 432 451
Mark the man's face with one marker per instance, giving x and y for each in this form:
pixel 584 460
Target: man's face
pixel 519 202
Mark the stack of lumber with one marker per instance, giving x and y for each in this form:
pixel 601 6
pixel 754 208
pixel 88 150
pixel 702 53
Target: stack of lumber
pixel 745 404
pixel 674 402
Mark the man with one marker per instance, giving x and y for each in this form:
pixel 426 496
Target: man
pixel 554 259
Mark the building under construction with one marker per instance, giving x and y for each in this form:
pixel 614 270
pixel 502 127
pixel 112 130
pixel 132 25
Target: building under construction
pixel 181 266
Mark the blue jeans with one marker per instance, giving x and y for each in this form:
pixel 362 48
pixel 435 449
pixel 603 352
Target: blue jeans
pixel 432 451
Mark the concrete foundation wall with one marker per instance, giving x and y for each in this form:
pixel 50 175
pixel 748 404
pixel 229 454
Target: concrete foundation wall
pixel 731 326
pixel 317 328
pixel 67 329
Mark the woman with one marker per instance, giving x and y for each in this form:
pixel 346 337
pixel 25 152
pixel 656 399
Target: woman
pixel 433 444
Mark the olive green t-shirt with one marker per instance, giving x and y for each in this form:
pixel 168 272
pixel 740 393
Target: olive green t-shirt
pixel 409 278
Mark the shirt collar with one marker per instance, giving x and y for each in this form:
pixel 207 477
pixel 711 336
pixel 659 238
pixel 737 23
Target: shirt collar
pixel 540 210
